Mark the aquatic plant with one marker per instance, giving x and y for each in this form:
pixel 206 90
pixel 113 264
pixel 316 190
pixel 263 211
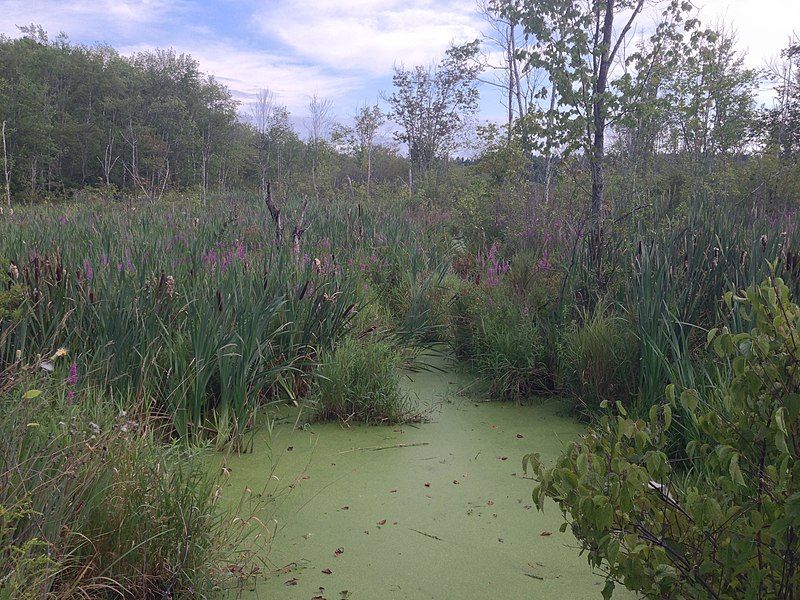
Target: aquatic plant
pixel 719 521
pixel 359 381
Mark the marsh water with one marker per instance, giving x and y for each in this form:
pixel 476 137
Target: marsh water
pixel 439 509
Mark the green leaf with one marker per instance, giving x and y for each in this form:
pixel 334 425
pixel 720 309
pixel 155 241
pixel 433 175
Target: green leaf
pixel 780 420
pixel 31 394
pixel 608 589
pixel 670 393
pixel 689 400
pixel 667 416
pixel 735 471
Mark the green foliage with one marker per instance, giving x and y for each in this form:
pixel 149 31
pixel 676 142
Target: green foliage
pixel 598 357
pixel 727 527
pixel 12 295
pixel 93 504
pixel 359 381
pixel 197 314
pixel 505 343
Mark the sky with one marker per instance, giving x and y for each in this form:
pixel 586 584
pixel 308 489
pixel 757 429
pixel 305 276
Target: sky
pixel 344 50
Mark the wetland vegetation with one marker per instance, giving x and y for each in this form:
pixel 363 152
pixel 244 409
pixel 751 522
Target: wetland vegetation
pixel 406 354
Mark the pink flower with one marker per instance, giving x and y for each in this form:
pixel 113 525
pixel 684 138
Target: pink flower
pixel 72 378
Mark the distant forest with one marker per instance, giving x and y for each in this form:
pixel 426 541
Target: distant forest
pixel 80 116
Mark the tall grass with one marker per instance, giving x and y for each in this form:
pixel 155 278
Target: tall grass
pixel 94 505
pixel 195 312
pixel 359 381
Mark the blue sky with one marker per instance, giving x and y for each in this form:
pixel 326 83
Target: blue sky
pixel 340 49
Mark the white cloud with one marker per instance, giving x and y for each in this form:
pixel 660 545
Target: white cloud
pixel 763 27
pixel 89 19
pixel 245 72
pixel 369 36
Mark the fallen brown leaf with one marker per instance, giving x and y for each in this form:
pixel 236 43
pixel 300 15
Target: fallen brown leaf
pixel 545 533
pixel 292 581
pixel 327 571
pixel 382 522
pixel 339 552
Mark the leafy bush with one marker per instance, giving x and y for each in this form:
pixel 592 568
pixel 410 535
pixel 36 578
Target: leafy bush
pixel 597 358
pixel 725 525
pixel 359 381
pixel 507 345
pixel 92 504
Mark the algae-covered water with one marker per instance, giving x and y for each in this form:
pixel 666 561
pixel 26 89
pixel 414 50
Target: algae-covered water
pixel 435 510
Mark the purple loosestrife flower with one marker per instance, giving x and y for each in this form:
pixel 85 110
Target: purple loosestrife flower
pixel 87 269
pixel 72 378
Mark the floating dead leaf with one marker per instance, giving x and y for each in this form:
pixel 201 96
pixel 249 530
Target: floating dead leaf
pixel 395 523
pixel 545 533
pixel 290 448
pixel 327 571
pixel 502 458
pixel 489 503
pixel 306 476
pixel 317 597
pixel 428 484
pixel 339 552
pixel 392 491
pixel 292 581
pixel 345 508
pixel 382 522
pixel 456 482
pixel 520 436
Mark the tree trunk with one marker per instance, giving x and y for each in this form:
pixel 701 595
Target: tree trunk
pixel 511 60
pixel 597 154
pixel 275 212
pixel 5 168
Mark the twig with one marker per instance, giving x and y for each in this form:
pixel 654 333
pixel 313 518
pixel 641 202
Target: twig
pixel 433 537
pixel 376 448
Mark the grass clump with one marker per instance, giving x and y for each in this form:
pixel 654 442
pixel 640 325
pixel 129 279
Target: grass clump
pixel 359 381
pixel 598 357
pixel 95 504
pixel 506 344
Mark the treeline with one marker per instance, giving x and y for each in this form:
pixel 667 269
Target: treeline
pixel 78 116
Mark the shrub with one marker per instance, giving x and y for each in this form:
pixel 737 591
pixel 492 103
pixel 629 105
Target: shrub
pixel 597 358
pixel 510 351
pixel 725 524
pixel 92 504
pixel 359 381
